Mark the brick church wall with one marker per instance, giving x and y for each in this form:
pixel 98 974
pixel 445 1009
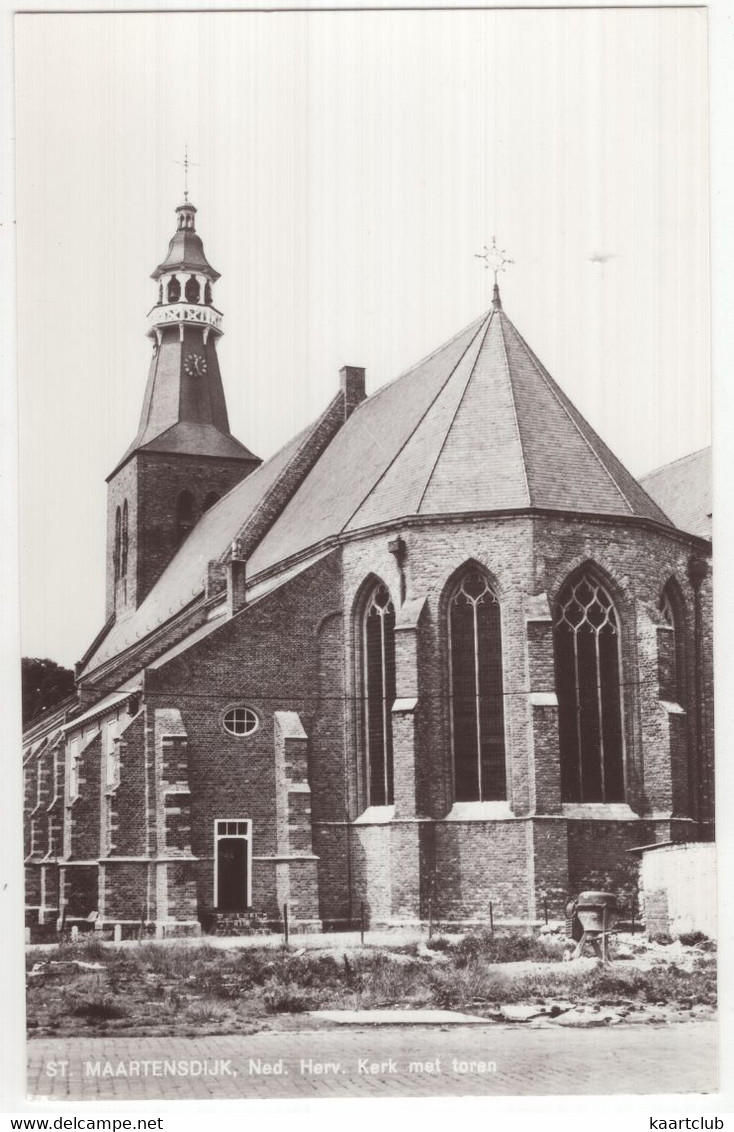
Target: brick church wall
pixel 598 859
pixel 128 814
pixel 127 890
pixel 297 650
pixel 238 665
pixel 84 810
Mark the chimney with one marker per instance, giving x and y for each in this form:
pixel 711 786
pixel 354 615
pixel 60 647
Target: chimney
pixel 236 580
pixel 352 383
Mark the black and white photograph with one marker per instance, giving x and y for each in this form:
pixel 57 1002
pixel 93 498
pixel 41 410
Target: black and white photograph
pixel 364 404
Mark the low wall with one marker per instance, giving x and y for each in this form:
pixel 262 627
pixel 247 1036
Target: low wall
pixel 678 889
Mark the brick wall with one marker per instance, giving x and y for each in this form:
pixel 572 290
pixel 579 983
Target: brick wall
pixel 298 650
pixel 127 890
pixel 598 859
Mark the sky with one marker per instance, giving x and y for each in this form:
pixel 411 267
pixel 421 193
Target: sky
pixel 348 168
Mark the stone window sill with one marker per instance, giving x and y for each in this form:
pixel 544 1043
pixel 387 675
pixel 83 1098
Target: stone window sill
pixel 376 815
pixel 599 811
pixel 672 708
pixel 479 811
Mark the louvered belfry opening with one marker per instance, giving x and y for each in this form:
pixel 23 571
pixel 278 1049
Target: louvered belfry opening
pixel 477 702
pixel 587 655
pixel 379 694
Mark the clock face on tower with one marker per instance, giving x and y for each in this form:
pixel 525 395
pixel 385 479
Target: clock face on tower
pixel 195 365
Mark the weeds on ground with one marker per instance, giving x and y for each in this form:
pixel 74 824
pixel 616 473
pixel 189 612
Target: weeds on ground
pixel 506 947
pixel 154 988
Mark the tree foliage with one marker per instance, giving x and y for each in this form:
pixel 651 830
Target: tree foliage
pixel 45 684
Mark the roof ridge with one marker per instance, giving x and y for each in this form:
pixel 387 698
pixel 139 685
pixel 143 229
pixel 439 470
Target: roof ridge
pixel 302 462
pixel 456 410
pixel 672 463
pixel 423 415
pixel 523 461
pixel 411 369
pixel 550 384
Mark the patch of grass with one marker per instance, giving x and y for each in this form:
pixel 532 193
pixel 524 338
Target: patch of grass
pixel 439 943
pixel 694 939
pixel 453 987
pixel 204 1013
pixel 506 946
pixel 99 1009
pixel 288 998
pixel 387 982
pixel 185 988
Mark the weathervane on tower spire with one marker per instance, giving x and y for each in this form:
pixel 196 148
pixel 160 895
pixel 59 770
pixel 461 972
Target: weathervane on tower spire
pixel 186 163
pixel 495 259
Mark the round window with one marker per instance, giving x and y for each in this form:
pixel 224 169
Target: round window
pixel 240 721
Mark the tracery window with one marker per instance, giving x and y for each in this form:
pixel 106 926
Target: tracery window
pixel 477 701
pixel 378 644
pixel 671 655
pixel 124 542
pixel 587 657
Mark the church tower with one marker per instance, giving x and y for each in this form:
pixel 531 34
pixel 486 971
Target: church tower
pixel 183 457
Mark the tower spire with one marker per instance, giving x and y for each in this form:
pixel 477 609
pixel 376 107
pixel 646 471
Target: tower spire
pixel 183 456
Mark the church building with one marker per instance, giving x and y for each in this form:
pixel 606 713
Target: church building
pixel 441 651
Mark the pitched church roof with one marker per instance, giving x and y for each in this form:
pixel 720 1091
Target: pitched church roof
pixel 478 426
pixel 683 489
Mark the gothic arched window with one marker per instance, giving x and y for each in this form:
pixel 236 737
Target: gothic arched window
pixel 378 645
pixel 671 648
pixel 124 542
pixel 174 290
pixel 118 543
pixel 184 515
pixel 477 702
pixel 192 290
pixel 587 656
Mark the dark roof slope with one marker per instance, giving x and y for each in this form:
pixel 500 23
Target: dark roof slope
pixel 684 491
pixel 478 426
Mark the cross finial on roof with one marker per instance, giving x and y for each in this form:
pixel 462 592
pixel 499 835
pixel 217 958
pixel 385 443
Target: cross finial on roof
pixel 495 259
pixel 186 163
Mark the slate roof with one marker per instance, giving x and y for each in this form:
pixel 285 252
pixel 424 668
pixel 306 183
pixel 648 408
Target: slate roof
pixel 192 438
pixel 478 426
pixel 684 491
pixel 186 251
